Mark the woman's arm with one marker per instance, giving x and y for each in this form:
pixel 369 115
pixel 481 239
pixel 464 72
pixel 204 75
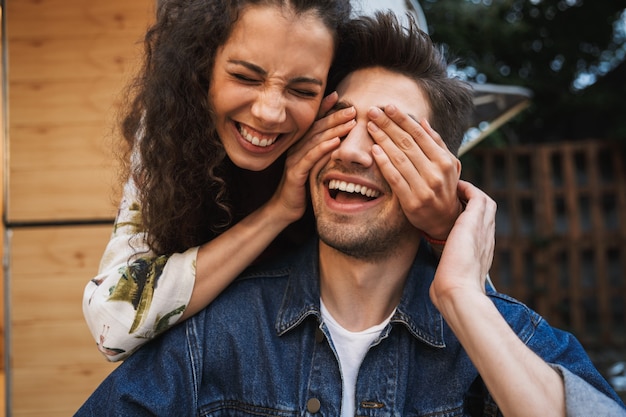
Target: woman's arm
pixel 521 383
pixel 136 293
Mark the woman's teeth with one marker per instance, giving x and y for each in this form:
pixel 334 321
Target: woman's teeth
pixel 256 141
pixel 349 187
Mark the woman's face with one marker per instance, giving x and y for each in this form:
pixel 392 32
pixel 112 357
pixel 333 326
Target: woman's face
pixel 268 82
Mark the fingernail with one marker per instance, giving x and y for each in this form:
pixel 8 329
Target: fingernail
pixel 372 127
pixel 374 112
pixel 349 111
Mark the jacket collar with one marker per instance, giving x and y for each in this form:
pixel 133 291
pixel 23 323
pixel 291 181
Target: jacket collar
pixel 415 311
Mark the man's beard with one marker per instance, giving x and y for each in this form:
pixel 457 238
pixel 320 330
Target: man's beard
pixel 367 242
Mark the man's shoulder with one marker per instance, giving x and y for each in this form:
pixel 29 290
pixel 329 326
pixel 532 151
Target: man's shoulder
pixel 522 319
pixel 277 268
pixel 259 283
pixel 300 258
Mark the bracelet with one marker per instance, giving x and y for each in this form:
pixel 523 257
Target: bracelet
pixel 433 241
pixel 437 242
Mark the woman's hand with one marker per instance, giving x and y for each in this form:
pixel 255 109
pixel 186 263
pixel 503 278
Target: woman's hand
pixel 420 169
pixel 468 254
pixel 322 138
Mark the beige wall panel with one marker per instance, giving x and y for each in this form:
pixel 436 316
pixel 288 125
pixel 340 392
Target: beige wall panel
pixel 69 59
pixel 70 389
pixel 62 172
pixel 2 237
pixel 65 18
pixel 68 63
pixel 74 191
pixel 53 357
pixel 62 304
pixel 66 252
pixel 72 195
pixel 51 147
pixel 73 335
pixel 62 102
pixel 61 374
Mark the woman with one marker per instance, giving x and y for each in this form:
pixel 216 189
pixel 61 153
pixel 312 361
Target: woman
pixel 225 89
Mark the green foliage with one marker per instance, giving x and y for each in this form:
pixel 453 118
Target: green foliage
pixel 548 46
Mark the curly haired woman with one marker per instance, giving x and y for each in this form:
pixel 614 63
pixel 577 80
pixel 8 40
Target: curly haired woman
pixel 226 88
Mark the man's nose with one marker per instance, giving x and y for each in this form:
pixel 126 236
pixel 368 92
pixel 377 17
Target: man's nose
pixel 356 147
pixel 269 107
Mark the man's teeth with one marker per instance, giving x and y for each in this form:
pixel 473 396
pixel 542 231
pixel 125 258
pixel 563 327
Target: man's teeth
pixel 255 140
pixel 349 187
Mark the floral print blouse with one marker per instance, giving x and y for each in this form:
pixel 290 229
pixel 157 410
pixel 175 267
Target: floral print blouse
pixel 136 294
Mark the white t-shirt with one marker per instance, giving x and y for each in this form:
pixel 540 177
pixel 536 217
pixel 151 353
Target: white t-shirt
pixel 351 348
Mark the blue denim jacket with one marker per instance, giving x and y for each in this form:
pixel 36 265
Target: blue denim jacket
pixel 260 349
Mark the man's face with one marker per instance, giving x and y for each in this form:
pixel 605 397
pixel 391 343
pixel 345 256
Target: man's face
pixel 356 211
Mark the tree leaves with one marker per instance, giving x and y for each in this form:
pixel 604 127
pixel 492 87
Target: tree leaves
pixel 570 53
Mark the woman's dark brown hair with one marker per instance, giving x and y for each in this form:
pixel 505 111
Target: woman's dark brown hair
pixel 188 189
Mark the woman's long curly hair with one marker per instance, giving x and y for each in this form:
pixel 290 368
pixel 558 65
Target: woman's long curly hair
pixel 189 191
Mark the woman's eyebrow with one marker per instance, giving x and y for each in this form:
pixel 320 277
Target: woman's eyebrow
pixel 249 65
pixel 255 68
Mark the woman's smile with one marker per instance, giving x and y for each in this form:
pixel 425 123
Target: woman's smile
pixel 256 137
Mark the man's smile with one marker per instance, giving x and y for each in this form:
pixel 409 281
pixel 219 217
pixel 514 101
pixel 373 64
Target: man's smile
pixel 343 191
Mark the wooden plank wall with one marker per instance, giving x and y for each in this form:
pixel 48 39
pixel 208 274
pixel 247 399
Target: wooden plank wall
pixel 2 230
pixel 561 232
pixel 54 362
pixel 68 61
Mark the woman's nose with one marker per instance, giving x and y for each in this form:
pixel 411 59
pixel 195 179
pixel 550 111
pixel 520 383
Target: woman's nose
pixel 356 147
pixel 269 107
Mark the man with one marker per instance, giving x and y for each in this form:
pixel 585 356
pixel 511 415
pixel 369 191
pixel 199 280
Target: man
pixel 368 320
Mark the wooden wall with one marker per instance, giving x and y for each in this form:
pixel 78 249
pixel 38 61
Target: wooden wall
pixel 2 233
pixel 67 60
pixel 67 63
pixel 561 232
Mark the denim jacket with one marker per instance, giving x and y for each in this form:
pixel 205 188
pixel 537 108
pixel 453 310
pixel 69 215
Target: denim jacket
pixel 261 349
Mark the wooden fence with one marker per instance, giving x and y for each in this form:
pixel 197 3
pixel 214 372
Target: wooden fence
pixel 561 232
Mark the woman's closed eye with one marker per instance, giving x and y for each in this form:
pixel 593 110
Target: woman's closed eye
pixel 301 92
pixel 246 78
